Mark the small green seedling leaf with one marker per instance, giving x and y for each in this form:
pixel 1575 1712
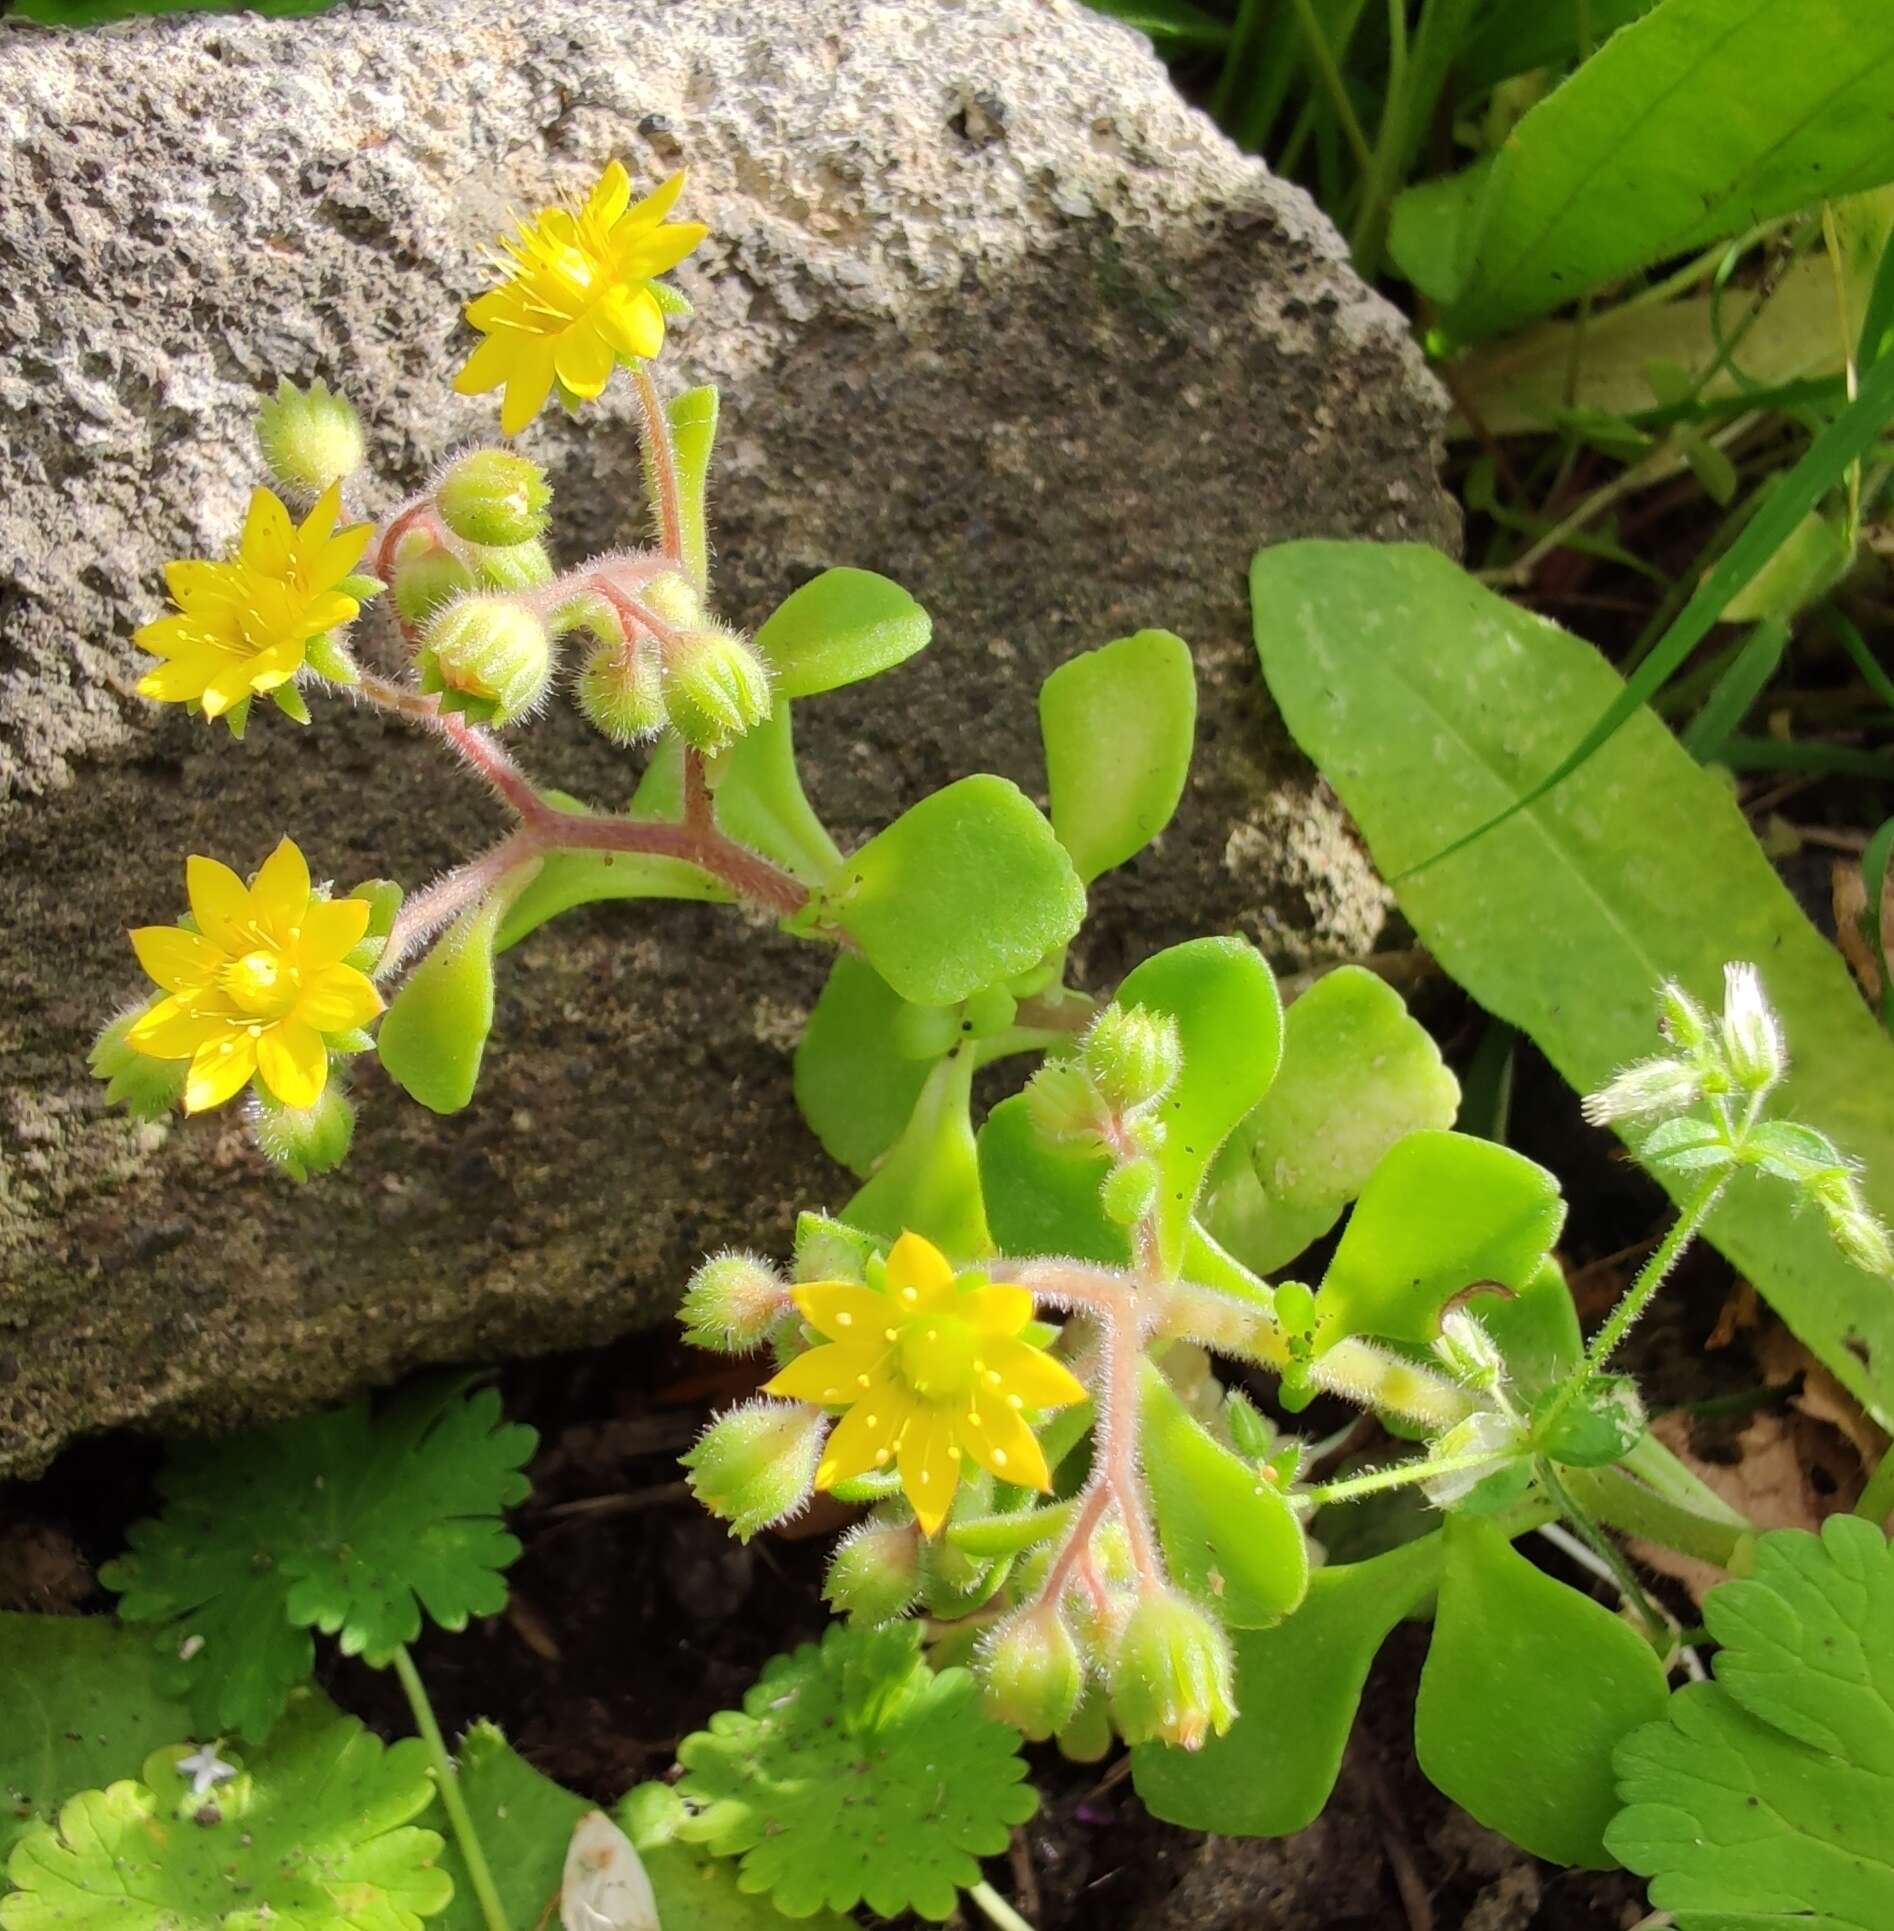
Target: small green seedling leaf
pixel 347 1522
pixel 839 628
pixel 1041 1198
pixel 855 1086
pixel 1229 1534
pixel 855 1774
pixel 1441 1213
pixel 312 1833
pixel 1767 1798
pixel 1118 724
pixel 693 419
pixel 1527 1689
pixel 930 1181
pixel 1298 1686
pixel 79 1706
pixel 1229 1023
pixel 965 889
pixel 1358 1073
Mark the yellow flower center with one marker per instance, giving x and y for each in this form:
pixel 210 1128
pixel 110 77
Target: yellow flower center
pixel 938 1356
pixel 261 984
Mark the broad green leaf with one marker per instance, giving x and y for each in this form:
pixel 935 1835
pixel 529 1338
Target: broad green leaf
pixel 854 1084
pixel 1536 1328
pixel 1229 1021
pixel 80 1707
pixel 930 1181
pixel 1297 1689
pixel 965 889
pixel 1767 1798
pixel 1663 142
pixel 839 628
pixel 1118 724
pixel 1527 1690
pixel 1229 1534
pixel 1358 1072
pixel 1441 1213
pixel 1514 40
pixel 1041 1198
pixel 759 801
pixel 1432 705
pixel 693 419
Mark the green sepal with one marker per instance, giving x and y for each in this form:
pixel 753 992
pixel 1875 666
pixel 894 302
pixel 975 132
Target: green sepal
pixel 147 1088
pixel 1601 1427
pixel 362 587
pixel 237 718
pixel 288 699
pixel 839 628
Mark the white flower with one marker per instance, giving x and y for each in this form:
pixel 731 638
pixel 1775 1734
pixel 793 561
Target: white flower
pixel 1649 1090
pixel 206 1769
pixel 1488 1433
pixel 1467 1351
pixel 1752 1035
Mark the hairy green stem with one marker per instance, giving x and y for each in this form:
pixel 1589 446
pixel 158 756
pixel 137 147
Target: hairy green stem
pixel 447 1778
pixel 1607 1552
pixel 1422 1468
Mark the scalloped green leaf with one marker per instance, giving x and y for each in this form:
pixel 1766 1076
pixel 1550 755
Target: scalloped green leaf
pixel 311 1834
pixel 1442 1212
pixel 349 1522
pixel 965 889
pixel 1766 1797
pixel 839 628
pixel 855 1774
pixel 1041 1198
pixel 855 1085
pixel 1527 1689
pixel 1118 724
pixel 1358 1073
pixel 1298 1687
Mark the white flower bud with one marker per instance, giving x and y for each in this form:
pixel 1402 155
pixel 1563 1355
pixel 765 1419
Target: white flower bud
pixel 1752 1035
pixel 1652 1089
pixel 1467 1351
pixel 1486 1433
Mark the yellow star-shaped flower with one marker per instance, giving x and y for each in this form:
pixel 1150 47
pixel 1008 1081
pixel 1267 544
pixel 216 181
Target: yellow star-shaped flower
pixel 577 296
pixel 931 1368
pixel 260 984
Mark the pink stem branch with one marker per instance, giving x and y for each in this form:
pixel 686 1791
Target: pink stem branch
pixel 663 460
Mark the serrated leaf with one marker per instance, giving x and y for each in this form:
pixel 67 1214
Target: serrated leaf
pixel 839 628
pixel 1117 725
pixel 311 1835
pixel 1041 1198
pixel 1440 1213
pixel 893 1814
pixel 965 889
pixel 854 1085
pixel 347 1522
pixel 1298 1686
pixel 1527 1689
pixel 1767 1797
pixel 1358 1073
pixel 79 1706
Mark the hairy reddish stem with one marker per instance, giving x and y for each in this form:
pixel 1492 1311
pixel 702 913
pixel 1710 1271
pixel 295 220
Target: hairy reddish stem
pixel 663 460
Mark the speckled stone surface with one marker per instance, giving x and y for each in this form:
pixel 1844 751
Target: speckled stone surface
pixel 994 313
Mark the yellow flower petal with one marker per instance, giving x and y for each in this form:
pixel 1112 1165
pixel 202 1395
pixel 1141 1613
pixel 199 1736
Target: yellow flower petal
pixel 220 903
pixel 341 553
pixel 612 196
pixel 583 360
pixel 929 1471
pixel 661 200
pixel 863 1439
pixel 631 321
pixel 219 1068
pixel 177 960
pixel 920 1276
pixel 174 1029
pixel 995 1310
pixel 319 525
pixel 280 896
pixel 528 384
pixel 191 581
pixel 331 927
pixel 842 1310
pixel 183 679
pixel 228 687
pixel 831 1374
pixel 1034 1376
pixel 337 998
pixel 492 362
pixel 294 1063
pixel 663 248
pixel 266 535
pixel 996 1436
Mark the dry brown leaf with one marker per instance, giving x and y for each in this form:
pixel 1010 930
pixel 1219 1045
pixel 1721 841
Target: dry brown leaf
pixel 1849 892
pixel 1821 1397
pixel 1741 1311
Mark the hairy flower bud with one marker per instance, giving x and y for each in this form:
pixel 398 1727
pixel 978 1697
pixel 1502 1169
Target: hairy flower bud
pixel 1652 1089
pixel 303 1141
pixel 494 497
pixel 1031 1671
pixel 147 1088
pixel 732 1303
pixel 717 689
pixel 310 437
pixel 427 575
pixel 756 1464
pixel 511 566
pixel 875 1573
pixel 1172 1679
pixel 1856 1232
pixel 1132 1055
pixel 489 657
pixel 1486 1434
pixel 1129 1192
pixel 621 692
pixel 1680 1019
pixel 1064 1105
pixel 1752 1035
pixel 1467 1351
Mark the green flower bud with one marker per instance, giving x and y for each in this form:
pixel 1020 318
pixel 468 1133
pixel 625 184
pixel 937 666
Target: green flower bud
pixel 732 1303
pixel 1064 1105
pixel 717 689
pixel 1032 1673
pixel 622 693
pixel 303 1141
pixel 1087 1738
pixel 383 897
pixel 310 437
pixel 494 497
pixel 1652 1089
pixel 875 1573
pixel 147 1088
pixel 489 657
pixel 830 1250
pixel 516 566
pixel 1680 1019
pixel 1295 1308
pixel 588 611
pixel 1129 1192
pixel 1172 1680
pixel 328 657
pixel 1132 1055
pixel 756 1464
pixel 1467 1351
pixel 1860 1237
pixel 427 575
pixel 676 600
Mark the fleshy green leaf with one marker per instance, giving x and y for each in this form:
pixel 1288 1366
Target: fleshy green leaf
pixel 1767 1798
pixel 855 1774
pixel 1527 1689
pixel 311 1835
pixel 1229 1022
pixel 1661 143
pixel 1358 1072
pixel 1297 1689
pixel 759 801
pixel 1537 1329
pixel 965 889
pixel 1229 1534
pixel 854 1084
pixel 1118 725
pixel 79 1706
pixel 930 1182
pixel 1440 1213
pixel 349 1522
pixel 1041 1198
pixel 693 419
pixel 839 628
pixel 1636 869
